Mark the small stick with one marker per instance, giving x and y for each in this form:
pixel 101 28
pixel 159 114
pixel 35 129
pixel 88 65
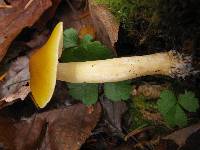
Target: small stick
pixel 28 4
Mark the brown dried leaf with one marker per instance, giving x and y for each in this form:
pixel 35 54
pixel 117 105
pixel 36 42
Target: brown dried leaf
pixel 87 30
pixel 150 91
pixel 114 112
pixel 64 128
pixel 38 39
pixel 72 17
pixel 105 24
pixel 180 136
pixel 14 19
pixel 12 87
pixel 18 72
pixel 10 99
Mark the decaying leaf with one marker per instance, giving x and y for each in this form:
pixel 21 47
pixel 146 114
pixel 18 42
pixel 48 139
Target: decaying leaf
pixel 105 24
pixel 87 30
pixel 150 91
pixel 17 73
pixel 20 94
pixel 3 5
pixel 64 128
pixel 180 136
pixel 38 39
pixel 114 112
pixel 14 19
pixel 14 84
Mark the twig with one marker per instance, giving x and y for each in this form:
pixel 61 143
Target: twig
pixel 136 131
pixel 28 4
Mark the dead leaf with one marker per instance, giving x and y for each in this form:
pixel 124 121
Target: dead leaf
pixel 71 17
pixel 38 39
pixel 47 15
pixel 18 72
pixel 10 99
pixel 14 85
pixel 114 112
pixel 150 91
pixel 65 128
pixel 87 30
pixel 13 20
pixel 84 15
pixel 3 5
pixel 180 136
pixel 105 24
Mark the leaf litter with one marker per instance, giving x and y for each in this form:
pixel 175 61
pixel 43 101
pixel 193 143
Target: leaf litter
pixel 45 128
pixel 14 86
pixel 62 128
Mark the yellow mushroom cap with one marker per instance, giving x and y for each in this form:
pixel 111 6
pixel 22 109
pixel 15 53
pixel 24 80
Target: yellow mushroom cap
pixel 43 67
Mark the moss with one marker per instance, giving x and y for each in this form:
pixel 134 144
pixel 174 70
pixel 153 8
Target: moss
pixel 124 10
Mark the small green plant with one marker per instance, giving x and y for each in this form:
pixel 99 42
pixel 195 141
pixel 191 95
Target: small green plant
pixel 86 49
pixel 173 108
pixel 125 10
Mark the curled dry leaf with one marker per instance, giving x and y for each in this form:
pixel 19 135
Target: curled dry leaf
pixel 20 94
pixel 64 128
pixel 17 73
pixel 3 5
pixel 14 85
pixel 14 19
pixel 105 24
pixel 180 136
pixel 150 91
pixel 114 112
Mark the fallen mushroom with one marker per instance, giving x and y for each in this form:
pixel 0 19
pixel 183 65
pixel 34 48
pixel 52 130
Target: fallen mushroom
pixel 45 69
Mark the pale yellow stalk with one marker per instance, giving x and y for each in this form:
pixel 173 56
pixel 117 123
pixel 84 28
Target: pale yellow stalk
pixel 119 69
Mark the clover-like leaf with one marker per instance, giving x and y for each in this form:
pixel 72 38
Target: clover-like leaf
pixel 70 38
pixel 188 101
pixel 87 93
pixel 118 91
pixel 166 102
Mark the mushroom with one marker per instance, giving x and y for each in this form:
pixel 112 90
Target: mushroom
pixel 45 69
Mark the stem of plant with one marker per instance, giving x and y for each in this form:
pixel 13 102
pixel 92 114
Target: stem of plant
pixel 119 69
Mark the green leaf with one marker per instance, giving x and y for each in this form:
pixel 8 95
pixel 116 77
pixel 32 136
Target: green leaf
pixel 70 38
pixel 87 93
pixel 95 50
pixel 73 55
pixel 166 102
pixel 188 101
pixel 180 116
pixel 118 91
pixel 169 116
pixel 176 116
pixel 86 51
pixel 86 39
pixel 171 110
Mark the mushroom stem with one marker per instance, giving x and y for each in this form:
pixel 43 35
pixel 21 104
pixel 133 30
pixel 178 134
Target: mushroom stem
pixel 119 69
